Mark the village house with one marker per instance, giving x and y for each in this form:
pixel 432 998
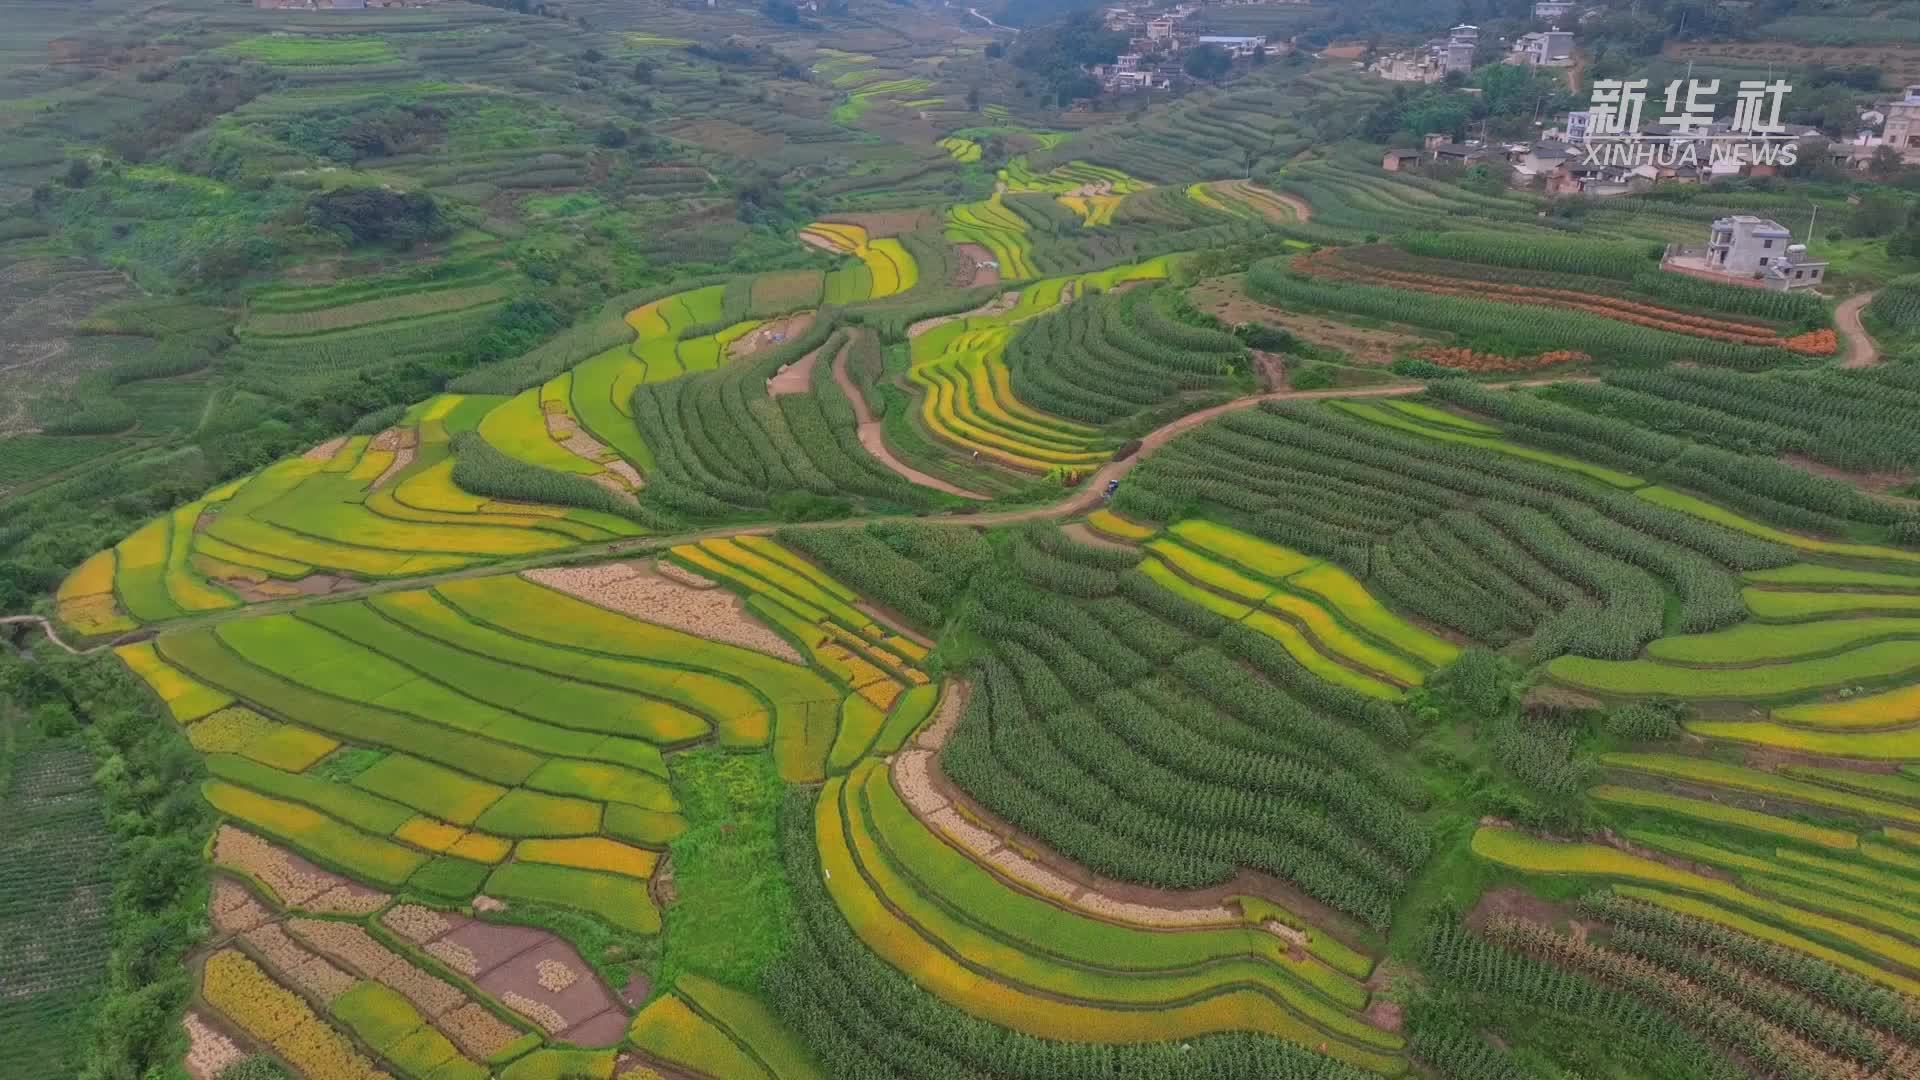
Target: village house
pixel 1902 128
pixel 1240 48
pixel 1755 247
pixel 1549 48
pixel 1552 9
pixel 1400 160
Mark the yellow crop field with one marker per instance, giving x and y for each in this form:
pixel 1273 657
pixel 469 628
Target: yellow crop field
pixel 590 853
pixel 316 835
pixel 1900 744
pixel 1899 706
pixel 187 698
pixel 1705 810
pixel 1265 558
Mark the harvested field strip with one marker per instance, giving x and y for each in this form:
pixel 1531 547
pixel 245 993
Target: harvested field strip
pixel 1364 267
pixel 946 878
pixel 1522 852
pixel 621 901
pixel 1739 778
pixel 1701 508
pixel 361 855
pixel 857 877
pixel 186 698
pixel 529 691
pixel 716 614
pixel 1869 663
pixel 1782 605
pixel 281 1019
pixel 239 730
pixel 1754 643
pixel 1706 810
pixel 1687 905
pixel 210 658
pixel 1401 422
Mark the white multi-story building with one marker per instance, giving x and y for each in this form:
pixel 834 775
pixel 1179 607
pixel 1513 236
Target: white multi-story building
pixel 1552 9
pixel 1902 128
pixel 1747 246
pixel 1546 48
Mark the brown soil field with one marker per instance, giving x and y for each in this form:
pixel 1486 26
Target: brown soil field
pixel 769 334
pixel 633 590
pixel 1223 298
pixel 884 223
pixel 796 377
pixel 970 271
pixel 210 1051
pixel 995 306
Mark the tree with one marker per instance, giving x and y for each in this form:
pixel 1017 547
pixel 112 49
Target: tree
pixel 973 99
pixel 1880 213
pixel 367 215
pixel 1208 62
pixel 1886 162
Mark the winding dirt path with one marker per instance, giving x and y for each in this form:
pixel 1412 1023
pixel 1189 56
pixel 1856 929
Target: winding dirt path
pixel 874 441
pixel 1089 495
pixel 1861 351
pixel 52 635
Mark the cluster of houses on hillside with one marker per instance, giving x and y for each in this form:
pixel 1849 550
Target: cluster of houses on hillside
pixel 1560 162
pixel 1454 53
pixel 1159 39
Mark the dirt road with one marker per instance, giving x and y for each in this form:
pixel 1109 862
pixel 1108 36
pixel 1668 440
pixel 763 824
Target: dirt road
pixel 875 443
pixel 1861 351
pixel 1087 496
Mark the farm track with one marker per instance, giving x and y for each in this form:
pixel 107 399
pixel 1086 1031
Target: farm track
pixel 1088 496
pixel 873 440
pixel 1861 350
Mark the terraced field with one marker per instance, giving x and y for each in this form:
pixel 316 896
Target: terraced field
pixel 968 397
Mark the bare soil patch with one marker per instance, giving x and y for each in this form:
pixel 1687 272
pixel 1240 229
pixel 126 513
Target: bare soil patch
pixel 768 334
pixel 632 589
pixel 884 223
pixel 326 450
pixel 795 378
pixel 529 983
pixel 210 1051
pixel 1515 901
pixel 1079 531
pixel 817 241
pixel 402 457
pixel 972 269
pixel 1003 302
pixel 1879 483
pixel 1223 298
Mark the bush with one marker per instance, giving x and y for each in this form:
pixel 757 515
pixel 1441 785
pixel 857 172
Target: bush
pixel 1644 721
